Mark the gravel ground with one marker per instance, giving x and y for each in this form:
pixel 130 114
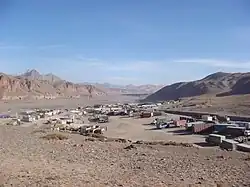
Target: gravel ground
pixel 28 160
pixel 139 129
pixel 17 105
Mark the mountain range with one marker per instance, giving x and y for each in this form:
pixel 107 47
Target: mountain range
pixel 219 84
pixel 126 89
pixel 35 75
pixel 34 85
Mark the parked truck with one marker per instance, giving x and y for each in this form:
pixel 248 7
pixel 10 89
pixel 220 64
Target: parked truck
pixel 161 123
pixel 99 119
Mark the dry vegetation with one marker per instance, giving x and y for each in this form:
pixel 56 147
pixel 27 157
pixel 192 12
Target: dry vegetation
pixel 55 136
pixel 38 131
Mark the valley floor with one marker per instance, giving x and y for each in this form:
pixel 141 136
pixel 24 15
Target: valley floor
pixel 29 160
pixel 16 105
pixel 26 159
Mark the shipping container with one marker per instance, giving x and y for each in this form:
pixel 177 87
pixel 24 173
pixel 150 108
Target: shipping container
pixel 222 127
pixel 188 119
pixel 228 144
pixel 243 147
pixel 146 114
pixel 243 124
pixel 203 128
pixel 4 116
pixel 189 125
pixel 157 113
pixel 180 123
pixel 207 118
pixel 234 131
pixel 215 139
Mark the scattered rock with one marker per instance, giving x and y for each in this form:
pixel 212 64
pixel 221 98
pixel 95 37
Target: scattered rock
pixel 222 184
pixel 55 136
pixel 130 147
pixel 163 143
pixel 221 157
pixel 247 158
pixel 39 131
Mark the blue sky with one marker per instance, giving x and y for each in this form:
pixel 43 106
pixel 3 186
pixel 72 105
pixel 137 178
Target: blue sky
pixel 125 41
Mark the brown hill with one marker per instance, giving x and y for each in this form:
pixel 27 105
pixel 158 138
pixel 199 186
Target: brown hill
pixel 146 88
pixel 129 89
pixel 218 83
pixel 31 85
pixel 35 75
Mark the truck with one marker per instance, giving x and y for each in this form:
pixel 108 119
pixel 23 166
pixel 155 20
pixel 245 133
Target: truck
pixel 99 119
pixel 207 118
pixel 161 123
pixel 92 129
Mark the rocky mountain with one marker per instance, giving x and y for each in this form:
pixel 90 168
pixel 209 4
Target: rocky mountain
pixel 35 75
pixel 146 88
pixel 34 85
pixel 124 89
pixel 220 84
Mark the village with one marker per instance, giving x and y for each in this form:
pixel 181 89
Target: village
pixel 139 121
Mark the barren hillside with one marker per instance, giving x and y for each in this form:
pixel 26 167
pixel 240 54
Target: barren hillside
pixel 125 89
pixel 36 86
pixel 35 75
pixel 218 83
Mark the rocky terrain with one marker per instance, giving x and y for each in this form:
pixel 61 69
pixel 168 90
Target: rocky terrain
pixel 32 85
pixel 29 159
pixel 238 105
pixel 131 89
pixel 35 75
pixel 219 84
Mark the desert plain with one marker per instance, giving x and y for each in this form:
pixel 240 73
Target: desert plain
pixel 134 154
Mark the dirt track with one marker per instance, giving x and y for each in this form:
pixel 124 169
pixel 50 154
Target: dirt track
pixel 140 129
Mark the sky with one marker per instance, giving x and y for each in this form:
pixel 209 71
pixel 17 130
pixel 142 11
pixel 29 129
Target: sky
pixel 125 41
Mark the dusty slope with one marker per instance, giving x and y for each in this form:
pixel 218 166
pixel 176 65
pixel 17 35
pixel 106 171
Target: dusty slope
pixel 125 89
pixel 231 105
pixel 28 160
pixel 218 83
pixel 19 87
pixel 35 75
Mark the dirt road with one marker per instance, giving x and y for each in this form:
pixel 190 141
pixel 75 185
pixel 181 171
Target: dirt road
pixel 140 129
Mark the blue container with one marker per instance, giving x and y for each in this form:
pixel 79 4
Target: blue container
pixel 4 116
pixel 221 127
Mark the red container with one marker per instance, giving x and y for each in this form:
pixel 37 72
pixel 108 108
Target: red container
pixel 180 123
pixel 202 128
pixel 146 115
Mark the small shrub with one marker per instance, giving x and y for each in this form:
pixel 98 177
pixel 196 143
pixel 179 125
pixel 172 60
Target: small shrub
pixel 39 131
pixel 164 143
pixel 222 184
pixel 247 158
pixel 55 136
